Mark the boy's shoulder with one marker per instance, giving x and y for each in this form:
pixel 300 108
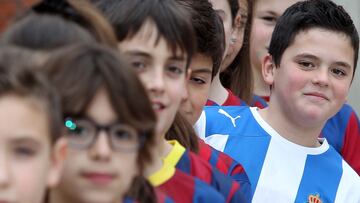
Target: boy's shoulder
pixel 227 120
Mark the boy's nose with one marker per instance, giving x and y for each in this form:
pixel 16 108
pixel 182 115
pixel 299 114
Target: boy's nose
pixel 156 82
pixel 321 78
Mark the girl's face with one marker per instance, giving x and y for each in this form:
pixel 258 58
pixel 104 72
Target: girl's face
pixel 265 15
pixel 237 34
pixel 102 157
pixel 27 163
pixel 162 73
pixel 222 7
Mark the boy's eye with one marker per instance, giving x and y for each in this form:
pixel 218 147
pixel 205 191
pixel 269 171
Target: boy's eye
pixel 174 70
pixel 138 65
pixel 24 151
pixel 197 80
pixel 306 64
pixel 338 72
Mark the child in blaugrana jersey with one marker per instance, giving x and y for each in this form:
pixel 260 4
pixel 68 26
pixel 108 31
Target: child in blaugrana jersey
pixel 160 54
pixel 32 149
pixel 204 66
pixel 279 145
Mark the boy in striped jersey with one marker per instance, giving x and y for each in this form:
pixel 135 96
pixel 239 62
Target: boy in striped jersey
pixel 310 66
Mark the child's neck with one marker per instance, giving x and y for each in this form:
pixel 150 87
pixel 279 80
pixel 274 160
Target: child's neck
pixel 162 149
pixel 218 93
pixel 55 196
pixel 304 136
pixel 260 87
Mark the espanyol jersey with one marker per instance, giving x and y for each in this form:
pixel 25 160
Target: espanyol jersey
pixel 278 170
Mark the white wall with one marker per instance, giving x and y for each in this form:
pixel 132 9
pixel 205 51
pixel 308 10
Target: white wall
pixel 353 7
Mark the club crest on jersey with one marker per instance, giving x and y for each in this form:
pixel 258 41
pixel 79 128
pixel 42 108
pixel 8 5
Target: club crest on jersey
pixel 314 199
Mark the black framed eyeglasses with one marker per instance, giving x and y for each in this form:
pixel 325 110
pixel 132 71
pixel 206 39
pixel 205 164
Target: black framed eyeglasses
pixel 83 133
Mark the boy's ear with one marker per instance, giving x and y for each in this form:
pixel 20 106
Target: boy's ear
pixel 57 162
pixel 268 68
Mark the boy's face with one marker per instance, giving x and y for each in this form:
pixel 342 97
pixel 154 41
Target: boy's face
pixel 97 173
pixel 162 73
pixel 311 83
pixel 222 7
pixel 26 160
pixel 265 15
pixel 198 87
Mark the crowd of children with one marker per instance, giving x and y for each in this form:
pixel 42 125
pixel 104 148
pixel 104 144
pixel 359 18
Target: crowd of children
pixel 106 101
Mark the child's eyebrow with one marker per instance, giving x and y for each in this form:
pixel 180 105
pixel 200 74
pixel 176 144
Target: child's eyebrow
pixel 139 53
pixel 313 57
pixel 25 140
pixel 307 55
pixel 202 70
pixel 177 58
pixel 343 64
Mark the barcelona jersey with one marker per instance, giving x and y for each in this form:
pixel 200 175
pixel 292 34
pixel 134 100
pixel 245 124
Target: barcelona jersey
pixel 231 100
pixel 221 161
pixel 192 164
pixel 181 187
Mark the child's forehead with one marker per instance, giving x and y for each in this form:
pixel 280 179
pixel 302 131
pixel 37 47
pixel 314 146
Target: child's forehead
pixel 23 118
pixel 278 6
pixel 318 41
pixel 149 38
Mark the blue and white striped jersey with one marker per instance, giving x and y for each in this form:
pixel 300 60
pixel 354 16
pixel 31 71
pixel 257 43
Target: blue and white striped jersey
pixel 279 170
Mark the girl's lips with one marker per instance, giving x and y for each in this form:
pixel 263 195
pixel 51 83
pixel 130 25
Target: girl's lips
pixel 99 178
pixel 157 106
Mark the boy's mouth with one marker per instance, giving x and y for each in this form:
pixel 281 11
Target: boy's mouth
pixel 317 95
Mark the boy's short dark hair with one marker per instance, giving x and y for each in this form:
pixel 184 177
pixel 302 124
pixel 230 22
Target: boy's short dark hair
pixel 19 75
pixel 209 30
pixel 171 19
pixel 309 14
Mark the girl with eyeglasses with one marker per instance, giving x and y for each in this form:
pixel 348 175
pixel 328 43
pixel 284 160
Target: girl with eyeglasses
pixel 109 126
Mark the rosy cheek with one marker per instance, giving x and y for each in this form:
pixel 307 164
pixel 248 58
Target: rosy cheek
pixel 29 180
